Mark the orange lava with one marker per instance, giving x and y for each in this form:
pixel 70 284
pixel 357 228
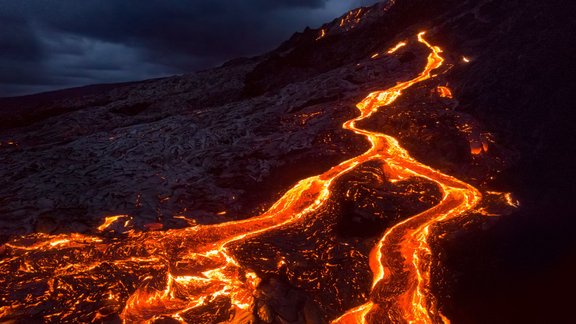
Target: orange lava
pixel 109 221
pixel 351 19
pixel 444 92
pixel 396 48
pixel 201 271
pixel 402 256
pixel 322 34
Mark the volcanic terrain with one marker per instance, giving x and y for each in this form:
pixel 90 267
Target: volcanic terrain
pixel 406 162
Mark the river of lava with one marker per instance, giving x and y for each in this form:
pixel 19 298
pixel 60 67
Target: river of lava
pixel 191 272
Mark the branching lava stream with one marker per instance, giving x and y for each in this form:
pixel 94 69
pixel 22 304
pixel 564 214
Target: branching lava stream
pixel 202 273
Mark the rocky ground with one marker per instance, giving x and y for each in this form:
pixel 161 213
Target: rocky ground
pixel 222 144
pixel 213 145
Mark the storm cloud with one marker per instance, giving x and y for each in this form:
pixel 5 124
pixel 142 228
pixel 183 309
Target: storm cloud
pixel 53 44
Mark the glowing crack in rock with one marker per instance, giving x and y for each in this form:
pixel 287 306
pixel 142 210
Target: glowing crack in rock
pixel 396 48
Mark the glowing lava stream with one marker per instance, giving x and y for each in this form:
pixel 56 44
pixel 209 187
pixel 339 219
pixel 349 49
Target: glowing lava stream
pixel 403 254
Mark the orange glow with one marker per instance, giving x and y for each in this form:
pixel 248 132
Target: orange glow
pixel 9 143
pixel 322 34
pixel 484 145
pixel 352 316
pixel 478 147
pixel 444 92
pixel 511 201
pixel 352 19
pixel 397 47
pixel 109 221
pixel 506 197
pixel 465 59
pixel 391 50
pixel 185 270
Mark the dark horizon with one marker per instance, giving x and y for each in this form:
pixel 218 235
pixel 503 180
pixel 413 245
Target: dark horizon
pixel 66 45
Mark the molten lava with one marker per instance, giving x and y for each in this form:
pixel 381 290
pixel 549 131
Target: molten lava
pixel 403 254
pixel 192 273
pixel 322 34
pixel 396 48
pixel 444 92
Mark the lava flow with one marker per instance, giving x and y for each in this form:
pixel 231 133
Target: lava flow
pixel 192 274
pixel 404 250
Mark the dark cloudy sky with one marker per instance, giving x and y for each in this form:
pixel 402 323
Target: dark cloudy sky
pixel 54 44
